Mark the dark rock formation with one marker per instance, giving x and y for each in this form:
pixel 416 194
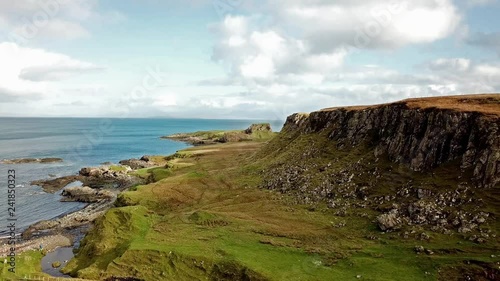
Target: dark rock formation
pixel 420 137
pixel 418 163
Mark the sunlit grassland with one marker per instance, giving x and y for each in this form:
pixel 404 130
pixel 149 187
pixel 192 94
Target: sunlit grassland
pixel 204 217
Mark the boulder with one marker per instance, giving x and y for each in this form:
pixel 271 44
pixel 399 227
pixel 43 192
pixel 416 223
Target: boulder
pixel 85 194
pixel 389 221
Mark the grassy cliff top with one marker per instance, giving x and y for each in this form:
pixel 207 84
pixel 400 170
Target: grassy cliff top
pixel 488 104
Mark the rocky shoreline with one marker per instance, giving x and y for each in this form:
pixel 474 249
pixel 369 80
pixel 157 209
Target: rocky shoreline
pixel 100 187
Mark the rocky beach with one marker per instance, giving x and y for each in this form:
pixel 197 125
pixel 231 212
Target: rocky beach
pixel 99 189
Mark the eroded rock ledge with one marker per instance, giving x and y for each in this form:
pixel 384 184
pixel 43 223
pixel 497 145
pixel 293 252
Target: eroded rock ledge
pixel 421 133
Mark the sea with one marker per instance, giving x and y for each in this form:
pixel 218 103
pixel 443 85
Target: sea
pixel 81 143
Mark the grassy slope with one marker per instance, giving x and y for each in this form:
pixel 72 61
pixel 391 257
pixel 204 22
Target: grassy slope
pixel 27 264
pixel 216 135
pixel 205 217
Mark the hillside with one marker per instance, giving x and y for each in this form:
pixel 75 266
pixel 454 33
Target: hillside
pixel 401 191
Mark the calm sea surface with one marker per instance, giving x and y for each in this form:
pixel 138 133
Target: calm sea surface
pixel 82 142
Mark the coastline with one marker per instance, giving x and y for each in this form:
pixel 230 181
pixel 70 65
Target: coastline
pixel 103 177
pixel 67 230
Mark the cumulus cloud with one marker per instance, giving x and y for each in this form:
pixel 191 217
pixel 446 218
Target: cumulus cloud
pixel 281 57
pixel 25 71
pixel 311 39
pixel 326 25
pixel 293 54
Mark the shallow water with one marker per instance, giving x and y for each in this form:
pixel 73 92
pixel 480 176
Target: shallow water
pixel 62 255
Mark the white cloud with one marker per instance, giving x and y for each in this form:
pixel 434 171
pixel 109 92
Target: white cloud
pixel 298 49
pixel 25 71
pixel 260 66
pixel 326 25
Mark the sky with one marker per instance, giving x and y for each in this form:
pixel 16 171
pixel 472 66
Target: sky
pixel 239 59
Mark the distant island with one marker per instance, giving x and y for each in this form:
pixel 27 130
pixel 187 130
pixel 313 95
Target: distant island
pixel 31 160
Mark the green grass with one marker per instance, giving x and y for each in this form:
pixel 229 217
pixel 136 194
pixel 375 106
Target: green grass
pixel 205 217
pixel 118 168
pixel 27 263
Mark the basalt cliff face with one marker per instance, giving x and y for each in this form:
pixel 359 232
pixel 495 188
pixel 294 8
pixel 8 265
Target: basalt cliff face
pixel 420 133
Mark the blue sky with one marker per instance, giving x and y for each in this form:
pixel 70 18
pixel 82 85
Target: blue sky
pixel 239 58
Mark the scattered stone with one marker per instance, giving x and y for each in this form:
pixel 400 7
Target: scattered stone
pixel 419 249
pixel 424 236
pixel 56 264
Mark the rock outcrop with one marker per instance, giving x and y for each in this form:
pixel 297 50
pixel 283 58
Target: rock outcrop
pixel 85 194
pixel 264 127
pixel 420 133
pixel 99 177
pixel 136 164
pixel 54 185
pixel 431 163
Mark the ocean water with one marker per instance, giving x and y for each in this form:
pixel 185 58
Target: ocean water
pixel 82 143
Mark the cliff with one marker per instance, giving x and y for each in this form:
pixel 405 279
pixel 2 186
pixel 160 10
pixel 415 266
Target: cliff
pixel 430 162
pixel 420 133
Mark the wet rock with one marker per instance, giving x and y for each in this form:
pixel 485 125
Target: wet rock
pixel 54 185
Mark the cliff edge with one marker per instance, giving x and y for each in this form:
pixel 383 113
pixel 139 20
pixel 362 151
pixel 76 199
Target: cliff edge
pixel 421 133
